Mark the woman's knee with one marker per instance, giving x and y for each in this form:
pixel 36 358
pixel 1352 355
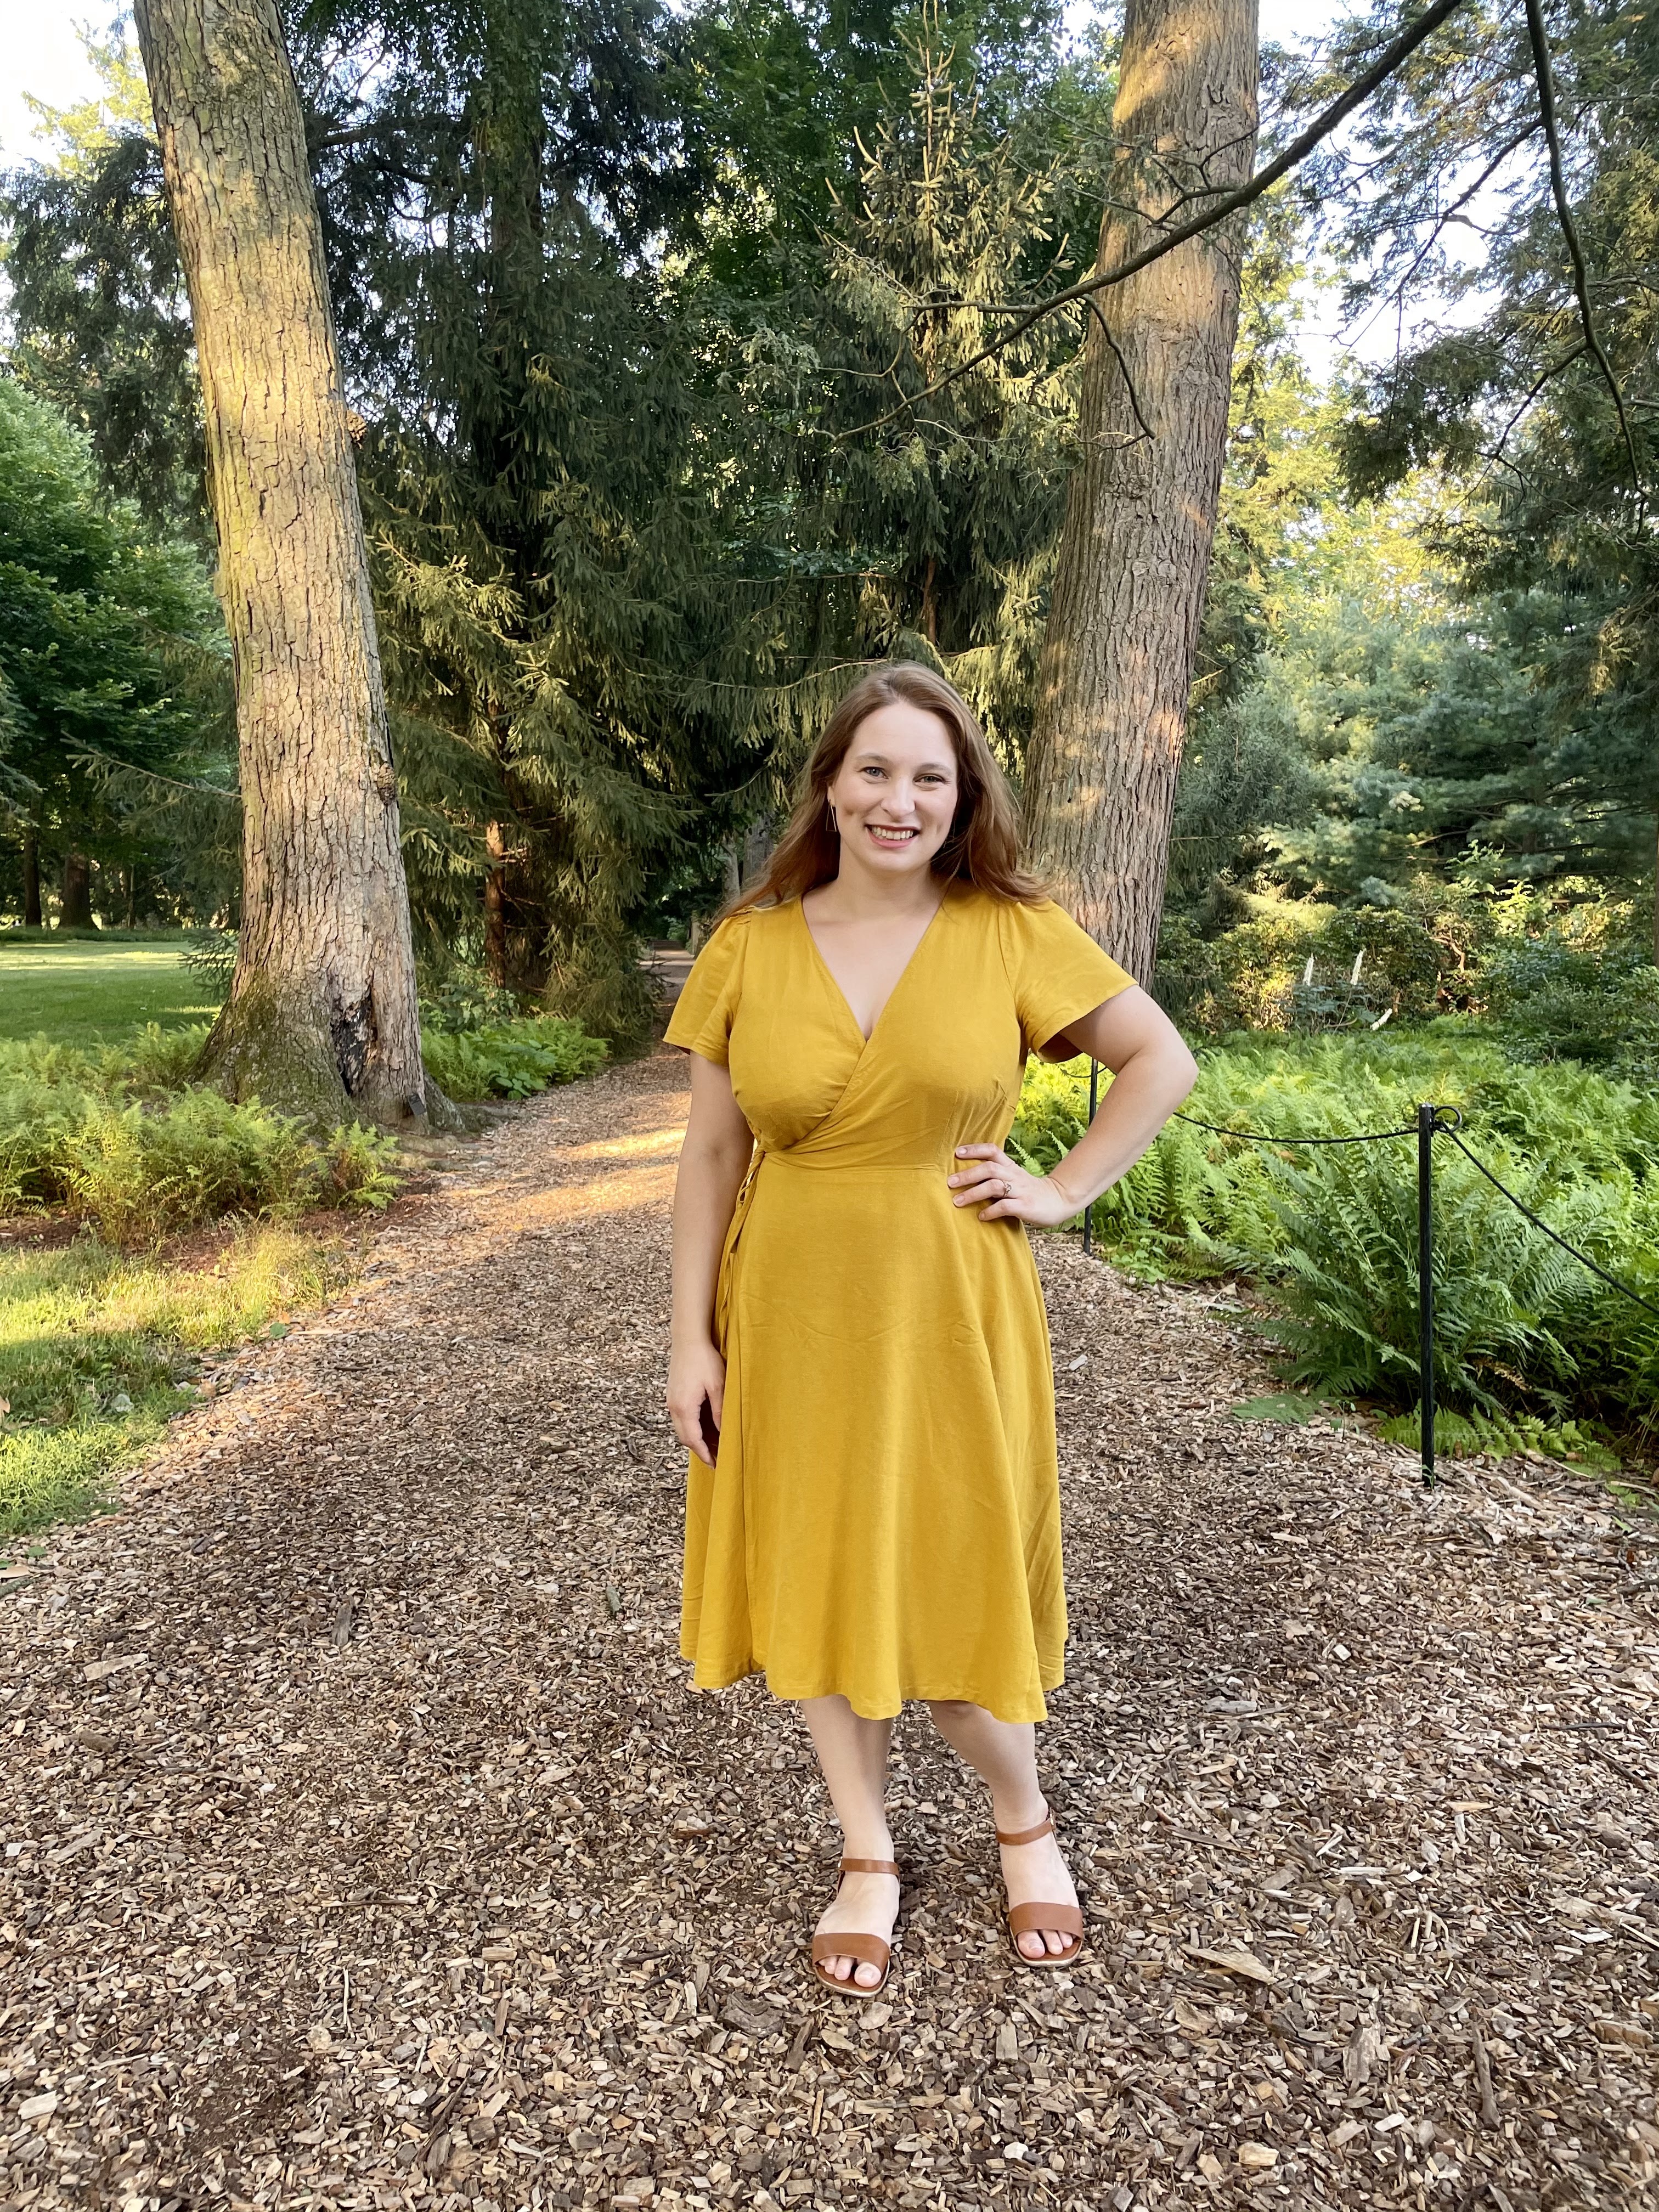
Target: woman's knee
pixel 949 1712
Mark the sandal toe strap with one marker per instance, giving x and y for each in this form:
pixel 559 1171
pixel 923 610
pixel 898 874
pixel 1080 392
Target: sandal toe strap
pixel 849 1943
pixel 1057 1919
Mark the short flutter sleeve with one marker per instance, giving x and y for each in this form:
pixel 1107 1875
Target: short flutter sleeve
pixel 1058 972
pixel 703 1016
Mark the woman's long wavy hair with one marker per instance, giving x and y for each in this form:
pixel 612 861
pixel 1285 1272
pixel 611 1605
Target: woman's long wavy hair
pixel 983 846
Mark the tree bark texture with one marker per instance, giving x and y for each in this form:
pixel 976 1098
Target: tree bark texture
pixel 75 911
pixel 321 1019
pixel 1135 552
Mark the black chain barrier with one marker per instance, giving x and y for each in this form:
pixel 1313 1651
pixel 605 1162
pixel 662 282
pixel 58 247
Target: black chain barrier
pixel 1432 1122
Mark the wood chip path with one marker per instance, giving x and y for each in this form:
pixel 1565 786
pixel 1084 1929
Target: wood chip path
pixel 362 1846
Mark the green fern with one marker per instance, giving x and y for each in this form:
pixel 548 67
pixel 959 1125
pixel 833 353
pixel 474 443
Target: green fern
pixel 1524 1332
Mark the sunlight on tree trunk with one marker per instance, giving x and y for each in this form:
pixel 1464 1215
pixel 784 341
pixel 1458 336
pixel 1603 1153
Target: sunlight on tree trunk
pixel 321 1019
pixel 1141 512
pixel 494 903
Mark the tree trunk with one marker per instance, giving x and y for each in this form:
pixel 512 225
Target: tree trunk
pixel 1117 660
pixel 75 911
pixel 32 917
pixel 495 904
pixel 321 1019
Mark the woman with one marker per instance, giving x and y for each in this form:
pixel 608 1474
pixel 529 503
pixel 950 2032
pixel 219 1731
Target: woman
pixel 860 1365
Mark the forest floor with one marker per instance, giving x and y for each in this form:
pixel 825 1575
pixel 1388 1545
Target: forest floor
pixel 363 1847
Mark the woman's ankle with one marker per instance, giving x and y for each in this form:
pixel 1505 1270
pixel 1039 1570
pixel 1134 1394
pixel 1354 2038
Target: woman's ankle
pixel 1017 1815
pixel 865 1846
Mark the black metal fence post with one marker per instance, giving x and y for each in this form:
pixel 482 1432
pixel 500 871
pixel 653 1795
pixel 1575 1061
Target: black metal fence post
pixel 1088 1210
pixel 1425 1122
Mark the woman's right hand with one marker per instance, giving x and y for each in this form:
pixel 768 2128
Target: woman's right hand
pixel 697 1378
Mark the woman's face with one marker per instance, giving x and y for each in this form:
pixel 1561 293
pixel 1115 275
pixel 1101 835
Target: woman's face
pixel 894 793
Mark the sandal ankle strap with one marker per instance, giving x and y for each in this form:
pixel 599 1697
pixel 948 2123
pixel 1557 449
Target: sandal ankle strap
pixel 869 1866
pixel 1045 1826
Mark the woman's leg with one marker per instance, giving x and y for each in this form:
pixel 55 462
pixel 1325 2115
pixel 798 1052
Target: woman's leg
pixel 852 1754
pixel 1003 1753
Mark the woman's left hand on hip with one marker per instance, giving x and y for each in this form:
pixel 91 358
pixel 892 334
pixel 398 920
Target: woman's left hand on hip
pixel 987 1178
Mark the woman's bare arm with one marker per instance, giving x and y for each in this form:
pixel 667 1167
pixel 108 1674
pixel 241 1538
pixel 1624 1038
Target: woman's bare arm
pixel 1152 1072
pixel 713 1161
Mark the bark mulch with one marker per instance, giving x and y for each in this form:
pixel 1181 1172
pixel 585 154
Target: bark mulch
pixel 362 1846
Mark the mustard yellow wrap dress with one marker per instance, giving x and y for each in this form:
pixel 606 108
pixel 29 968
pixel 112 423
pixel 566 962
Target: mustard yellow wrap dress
pixel 883 1520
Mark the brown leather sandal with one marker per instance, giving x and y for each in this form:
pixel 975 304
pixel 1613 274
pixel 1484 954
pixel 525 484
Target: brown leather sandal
pixel 1057 1919
pixel 849 1943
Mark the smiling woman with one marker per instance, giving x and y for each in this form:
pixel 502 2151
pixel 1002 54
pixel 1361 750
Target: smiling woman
pixel 860 1362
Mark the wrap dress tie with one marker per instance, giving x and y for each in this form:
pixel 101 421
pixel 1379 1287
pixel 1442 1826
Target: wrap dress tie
pixel 883 1519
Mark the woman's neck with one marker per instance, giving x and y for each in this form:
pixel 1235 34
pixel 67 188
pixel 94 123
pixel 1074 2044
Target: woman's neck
pixel 855 897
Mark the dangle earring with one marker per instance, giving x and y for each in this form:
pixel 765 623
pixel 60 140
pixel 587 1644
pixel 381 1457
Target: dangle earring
pixel 835 825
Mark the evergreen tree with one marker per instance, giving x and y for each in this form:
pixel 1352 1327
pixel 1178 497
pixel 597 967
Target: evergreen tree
pixel 112 670
pixel 97 297
pixel 1559 545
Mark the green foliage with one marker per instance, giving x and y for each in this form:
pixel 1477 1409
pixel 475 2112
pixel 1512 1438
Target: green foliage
pixel 210 955
pixel 113 662
pixel 88 1130
pixel 465 1000
pixel 1562 994
pixel 97 294
pixel 1282 964
pixel 1344 1263
pixel 1524 1331
pixel 511 1060
pixel 97 1351
pixel 1554 542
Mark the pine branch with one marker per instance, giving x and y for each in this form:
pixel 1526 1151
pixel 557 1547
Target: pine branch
pixel 1229 204
pixel 1544 70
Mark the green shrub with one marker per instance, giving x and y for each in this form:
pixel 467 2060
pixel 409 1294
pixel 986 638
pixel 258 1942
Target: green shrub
pixel 359 1168
pixel 1558 1000
pixel 467 1000
pixel 1345 1267
pixel 511 1060
pixel 157 1059
pixel 596 981
pixel 1525 1332
pixel 72 1133
pixel 138 1174
pixel 1415 955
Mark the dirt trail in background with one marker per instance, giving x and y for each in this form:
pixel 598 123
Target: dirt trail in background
pixel 363 1847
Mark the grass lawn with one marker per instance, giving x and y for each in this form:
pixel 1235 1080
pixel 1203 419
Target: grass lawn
pixel 98 1348
pixel 82 991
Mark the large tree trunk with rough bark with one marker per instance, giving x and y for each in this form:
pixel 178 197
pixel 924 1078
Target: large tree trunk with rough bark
pixel 321 1019
pixel 1135 552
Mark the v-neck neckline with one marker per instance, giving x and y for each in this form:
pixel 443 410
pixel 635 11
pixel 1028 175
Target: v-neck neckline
pixel 865 1042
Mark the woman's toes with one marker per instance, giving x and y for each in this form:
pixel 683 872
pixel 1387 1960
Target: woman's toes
pixel 867 1976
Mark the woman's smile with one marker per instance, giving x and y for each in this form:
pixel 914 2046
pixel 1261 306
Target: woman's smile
pixel 889 834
